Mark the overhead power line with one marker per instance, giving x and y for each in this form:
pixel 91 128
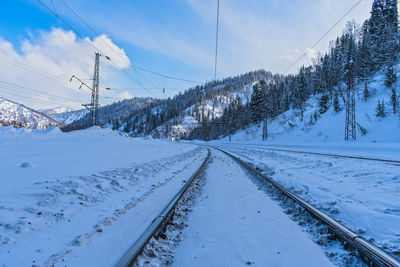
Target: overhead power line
pixel 323 36
pixel 37 91
pixel 32 69
pixel 92 45
pixel 6 92
pixel 118 53
pixel 135 68
pixel 216 44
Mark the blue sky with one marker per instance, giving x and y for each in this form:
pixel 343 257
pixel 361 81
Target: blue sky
pixel 174 37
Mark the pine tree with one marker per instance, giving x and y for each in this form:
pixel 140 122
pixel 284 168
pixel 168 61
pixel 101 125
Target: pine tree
pixel 380 109
pixel 393 99
pixel 336 104
pixel 311 120
pixel 390 77
pixel 315 116
pixel 364 59
pixel 390 33
pixel 366 93
pixel 323 104
pixel 301 92
pixel 376 23
pixel 256 103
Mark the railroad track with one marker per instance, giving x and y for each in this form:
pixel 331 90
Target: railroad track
pixel 160 222
pixel 373 255
pixel 395 162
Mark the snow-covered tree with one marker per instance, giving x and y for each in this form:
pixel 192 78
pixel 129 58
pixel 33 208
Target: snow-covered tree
pixel 380 109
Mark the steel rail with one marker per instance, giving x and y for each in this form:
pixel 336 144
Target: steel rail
pixel 324 154
pixel 372 253
pixel 159 223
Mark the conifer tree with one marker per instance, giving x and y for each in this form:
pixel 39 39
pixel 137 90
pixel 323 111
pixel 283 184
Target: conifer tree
pixel 390 33
pixel 375 34
pixel 323 103
pixel 393 99
pixel 336 104
pixel 390 77
pixel 256 103
pixel 380 109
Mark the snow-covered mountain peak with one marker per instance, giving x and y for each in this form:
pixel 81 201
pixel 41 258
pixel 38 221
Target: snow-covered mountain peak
pixel 18 115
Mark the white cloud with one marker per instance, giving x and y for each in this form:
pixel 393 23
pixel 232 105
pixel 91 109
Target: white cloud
pixel 125 95
pixel 57 54
pixel 108 48
pixel 253 34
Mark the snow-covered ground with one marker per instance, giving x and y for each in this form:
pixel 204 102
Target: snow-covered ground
pixel 364 195
pixel 233 223
pixel 63 193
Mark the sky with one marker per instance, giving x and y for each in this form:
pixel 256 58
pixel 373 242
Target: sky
pixel 39 53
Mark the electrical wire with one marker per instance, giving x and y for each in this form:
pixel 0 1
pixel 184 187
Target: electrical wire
pixel 118 53
pixel 216 44
pixel 92 45
pixel 30 99
pixel 37 91
pixel 33 70
pixel 323 36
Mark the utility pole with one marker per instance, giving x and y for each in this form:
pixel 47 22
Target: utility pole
pixel 93 107
pixel 95 91
pixel 350 124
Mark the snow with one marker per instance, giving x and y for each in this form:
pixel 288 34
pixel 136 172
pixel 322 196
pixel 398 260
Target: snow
pixel 18 115
pixel 66 116
pixel 234 224
pixel 61 191
pixel 214 109
pixel 56 110
pixel 364 195
pixel 287 128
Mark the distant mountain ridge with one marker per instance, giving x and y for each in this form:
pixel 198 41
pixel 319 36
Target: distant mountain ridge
pixel 18 115
pixel 56 110
pixel 65 115
pixel 175 118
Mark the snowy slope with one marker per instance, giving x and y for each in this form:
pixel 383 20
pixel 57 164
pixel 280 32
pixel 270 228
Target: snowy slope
pixel 73 187
pixel 69 117
pixel 18 115
pixel 329 127
pixel 56 110
pixel 190 118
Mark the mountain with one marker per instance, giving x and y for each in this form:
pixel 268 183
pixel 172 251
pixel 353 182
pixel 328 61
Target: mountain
pixel 176 117
pixel 110 113
pixel 19 116
pixel 339 81
pixel 56 110
pixel 65 115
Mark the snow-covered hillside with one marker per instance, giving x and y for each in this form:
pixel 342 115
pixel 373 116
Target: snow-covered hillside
pixel 329 127
pixel 69 117
pixel 182 125
pixel 18 115
pixel 56 110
